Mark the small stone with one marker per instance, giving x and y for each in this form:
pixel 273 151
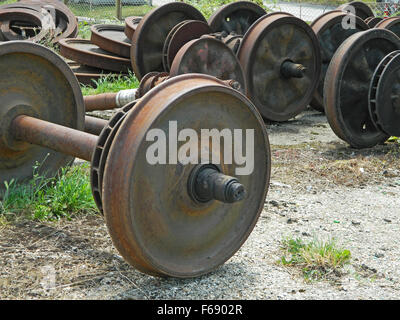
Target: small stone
pixel 379 255
pixel 355 223
pixel 387 220
pixel 306 234
pixel 274 203
pixel 290 221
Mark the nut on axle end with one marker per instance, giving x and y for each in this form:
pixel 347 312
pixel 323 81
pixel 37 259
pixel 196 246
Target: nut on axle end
pixel 290 69
pixel 207 183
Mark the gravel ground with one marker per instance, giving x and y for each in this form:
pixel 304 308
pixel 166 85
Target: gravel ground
pixel 320 188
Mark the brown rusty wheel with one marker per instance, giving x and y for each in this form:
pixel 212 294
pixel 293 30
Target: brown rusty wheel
pixel 100 154
pixel 347 85
pixel 362 9
pixel 149 37
pixel 111 38
pixel 181 34
pixel 131 24
pixel 373 21
pixel 53 94
pixel 392 24
pixel 235 17
pixel 209 56
pixel 157 221
pixel 384 95
pixel 87 53
pixel 331 34
pixel 281 59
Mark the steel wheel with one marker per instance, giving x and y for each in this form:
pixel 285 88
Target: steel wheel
pixel 53 94
pixel 384 95
pixel 153 221
pixel 362 9
pixel 391 24
pixel 331 34
pixel 273 42
pixel 347 85
pixel 208 56
pixel 235 17
pixel 151 32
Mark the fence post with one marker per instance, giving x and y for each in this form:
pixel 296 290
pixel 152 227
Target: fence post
pixel 119 9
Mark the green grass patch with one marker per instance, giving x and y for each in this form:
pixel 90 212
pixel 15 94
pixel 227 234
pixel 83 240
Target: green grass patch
pixel 112 83
pixel 63 196
pixel 317 260
pixel 107 12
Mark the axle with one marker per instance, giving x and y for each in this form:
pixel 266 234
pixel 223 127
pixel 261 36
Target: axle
pixel 53 136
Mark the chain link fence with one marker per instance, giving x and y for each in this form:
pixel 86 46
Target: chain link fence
pixel 117 10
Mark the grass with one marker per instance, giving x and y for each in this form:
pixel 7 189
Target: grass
pixel 42 198
pixel 107 12
pixel 112 83
pixel 317 260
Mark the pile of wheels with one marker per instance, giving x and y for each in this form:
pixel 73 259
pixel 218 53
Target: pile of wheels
pixel 185 218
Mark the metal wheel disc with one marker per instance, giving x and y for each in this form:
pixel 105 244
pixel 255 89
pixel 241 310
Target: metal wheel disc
pixel 272 41
pixel 154 223
pixel 149 37
pixel 391 24
pixel 209 56
pixel 373 21
pixel 53 94
pixel 87 53
pixel 331 34
pixel 100 154
pixel 131 24
pixel 235 17
pixel 384 95
pixel 347 85
pixel 111 38
pixel 181 34
pixel 362 9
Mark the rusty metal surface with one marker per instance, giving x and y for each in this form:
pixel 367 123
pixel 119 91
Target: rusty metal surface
pixel 86 75
pixel 362 9
pixel 65 22
pixel 384 95
pixel 149 81
pixel 87 53
pixel 392 24
pixel 94 125
pixel 181 34
pixel 272 40
pixel 53 94
pixel 102 101
pixel 33 17
pixel 373 21
pixel 131 24
pixel 111 38
pixel 347 85
pixel 209 56
pixel 54 137
pixel 99 158
pixel 235 17
pixel 149 37
pixel 331 34
pixel 153 222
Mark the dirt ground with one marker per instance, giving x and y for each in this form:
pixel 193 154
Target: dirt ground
pixel 319 188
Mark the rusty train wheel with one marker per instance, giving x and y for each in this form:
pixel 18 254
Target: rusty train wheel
pixel 331 34
pixel 391 24
pixel 149 37
pixel 236 17
pixel 384 95
pixel 362 9
pixel 209 56
pixel 53 94
pixel 111 38
pixel 101 152
pixel 347 85
pixel 87 53
pixel 281 59
pixel 154 222
pixel 373 21
pixel 181 34
pixel 131 24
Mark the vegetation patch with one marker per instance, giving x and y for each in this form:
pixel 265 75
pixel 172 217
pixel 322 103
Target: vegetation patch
pixel 316 260
pixel 67 194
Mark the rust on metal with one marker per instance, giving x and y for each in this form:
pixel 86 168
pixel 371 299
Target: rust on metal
pixel 131 24
pixel 111 38
pixel 391 24
pixel 87 53
pixel 94 125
